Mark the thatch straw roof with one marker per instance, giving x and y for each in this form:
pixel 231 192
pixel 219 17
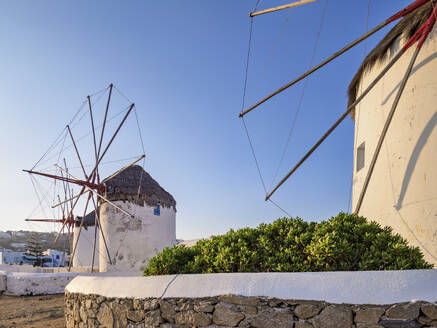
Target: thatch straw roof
pixel 135 184
pixel 404 29
pixel 89 220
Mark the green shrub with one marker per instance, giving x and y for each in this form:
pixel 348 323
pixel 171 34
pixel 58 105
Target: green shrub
pixel 343 243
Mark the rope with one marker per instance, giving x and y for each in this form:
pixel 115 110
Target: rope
pixel 86 112
pixel 272 51
pixel 244 99
pixel 37 195
pixel 299 106
pixel 86 135
pixel 254 156
pixel 54 144
pixel 50 168
pixel 271 201
pixel 122 94
pixel 72 126
pixel 46 194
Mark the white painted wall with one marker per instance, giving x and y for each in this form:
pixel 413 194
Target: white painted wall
pixel 133 241
pixel 23 283
pixel 84 251
pixel 402 192
pixel 359 287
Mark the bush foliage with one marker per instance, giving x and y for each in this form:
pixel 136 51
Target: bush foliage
pixel 346 242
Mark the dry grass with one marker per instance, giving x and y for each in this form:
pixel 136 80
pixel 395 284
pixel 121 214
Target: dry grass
pixel 32 311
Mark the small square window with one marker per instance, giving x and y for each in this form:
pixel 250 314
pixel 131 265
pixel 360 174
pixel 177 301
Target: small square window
pixel 157 210
pixel 360 156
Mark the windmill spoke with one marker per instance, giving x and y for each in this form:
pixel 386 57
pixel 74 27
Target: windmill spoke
pixel 384 131
pixel 100 196
pixel 114 135
pixel 124 168
pixel 290 5
pixel 104 119
pixel 65 201
pixel 342 117
pixel 71 212
pixel 77 152
pixel 402 13
pixel 94 137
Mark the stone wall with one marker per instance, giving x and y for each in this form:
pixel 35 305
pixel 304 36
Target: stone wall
pixel 90 311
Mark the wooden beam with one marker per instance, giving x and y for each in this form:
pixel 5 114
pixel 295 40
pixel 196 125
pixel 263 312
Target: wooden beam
pixel 384 131
pixel 290 5
pixel 124 168
pixel 342 117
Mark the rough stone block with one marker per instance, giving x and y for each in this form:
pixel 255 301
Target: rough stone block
pixel 273 318
pixel 427 321
pixel 202 319
pixel 248 309
pixel 225 316
pixel 239 300
pixel 184 306
pixel 105 316
pixel 408 311
pixel 333 316
pixel 150 305
pixel 368 314
pixel 135 315
pixel 168 311
pixel 204 307
pixel 152 318
pixel 83 314
pixel 400 323
pixel 305 311
pixel 430 310
pixel 368 325
pixel 120 315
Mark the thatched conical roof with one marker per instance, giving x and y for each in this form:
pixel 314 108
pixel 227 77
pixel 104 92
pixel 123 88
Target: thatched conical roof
pixel 404 29
pixel 135 184
pixel 89 220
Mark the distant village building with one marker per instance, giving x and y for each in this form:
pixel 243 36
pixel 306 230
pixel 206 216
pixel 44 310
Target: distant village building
pixel 5 235
pixel 54 258
pixel 132 241
pixel 11 257
pixel 402 192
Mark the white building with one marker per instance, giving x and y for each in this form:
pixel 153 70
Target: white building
pixel 4 234
pixel 11 257
pixel 83 256
pixel 58 258
pixel 402 192
pixel 132 241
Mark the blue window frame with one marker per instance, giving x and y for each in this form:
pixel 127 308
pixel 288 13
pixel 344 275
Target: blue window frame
pixel 157 210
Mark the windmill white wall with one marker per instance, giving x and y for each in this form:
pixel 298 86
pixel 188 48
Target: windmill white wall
pixel 133 241
pixel 402 192
pixel 84 249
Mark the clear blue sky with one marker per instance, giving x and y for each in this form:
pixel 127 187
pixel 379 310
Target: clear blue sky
pixel 183 64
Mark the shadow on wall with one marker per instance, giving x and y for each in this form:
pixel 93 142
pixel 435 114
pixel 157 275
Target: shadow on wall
pixel 415 69
pixel 421 142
